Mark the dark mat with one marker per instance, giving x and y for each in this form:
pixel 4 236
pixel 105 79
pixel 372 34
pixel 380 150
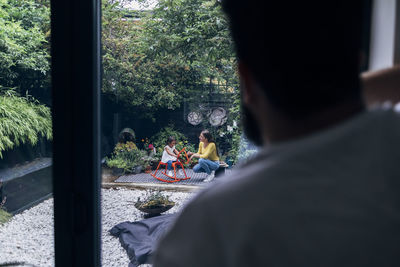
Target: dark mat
pixel 140 238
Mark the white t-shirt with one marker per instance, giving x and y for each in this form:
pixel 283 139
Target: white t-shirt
pixel 165 156
pixel 329 199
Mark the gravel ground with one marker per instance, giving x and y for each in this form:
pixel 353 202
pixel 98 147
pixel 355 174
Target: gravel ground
pixel 28 237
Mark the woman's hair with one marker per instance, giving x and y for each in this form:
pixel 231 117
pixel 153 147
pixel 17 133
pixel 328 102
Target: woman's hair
pixel 207 135
pixel 170 139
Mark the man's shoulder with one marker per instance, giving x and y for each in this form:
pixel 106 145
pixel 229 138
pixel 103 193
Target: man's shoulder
pixel 302 163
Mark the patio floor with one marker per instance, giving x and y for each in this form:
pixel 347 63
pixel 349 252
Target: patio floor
pixel 195 178
pixel 146 181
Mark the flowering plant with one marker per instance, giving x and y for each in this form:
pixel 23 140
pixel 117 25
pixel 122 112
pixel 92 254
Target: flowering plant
pixel 145 143
pixel 128 146
pixel 127 156
pixel 149 147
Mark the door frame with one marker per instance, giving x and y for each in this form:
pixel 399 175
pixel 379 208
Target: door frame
pixel 75 40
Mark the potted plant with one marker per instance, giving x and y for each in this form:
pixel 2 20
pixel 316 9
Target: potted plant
pixel 149 161
pixel 154 203
pixel 127 157
pixel 147 169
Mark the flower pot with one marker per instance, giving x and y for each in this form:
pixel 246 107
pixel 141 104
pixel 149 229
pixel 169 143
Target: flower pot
pixel 147 169
pixel 153 211
pixel 117 171
pixel 137 169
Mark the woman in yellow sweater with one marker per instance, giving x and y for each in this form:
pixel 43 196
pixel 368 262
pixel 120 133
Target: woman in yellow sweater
pixel 207 155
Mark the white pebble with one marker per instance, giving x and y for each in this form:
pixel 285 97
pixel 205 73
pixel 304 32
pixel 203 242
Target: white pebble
pixel 29 236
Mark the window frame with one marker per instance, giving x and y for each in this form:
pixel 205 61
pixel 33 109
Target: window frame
pixel 76 59
pixel 76 87
pixel 396 57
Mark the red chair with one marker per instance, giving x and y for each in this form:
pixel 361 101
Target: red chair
pixel 178 162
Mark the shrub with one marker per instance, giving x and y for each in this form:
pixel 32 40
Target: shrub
pixel 154 199
pixel 127 156
pixel 22 120
pixel 4 216
pixel 159 140
pixel 121 147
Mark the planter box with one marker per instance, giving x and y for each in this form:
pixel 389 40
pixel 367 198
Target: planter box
pixel 117 171
pixel 25 186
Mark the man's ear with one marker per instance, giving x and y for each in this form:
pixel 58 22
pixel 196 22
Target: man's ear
pixel 246 83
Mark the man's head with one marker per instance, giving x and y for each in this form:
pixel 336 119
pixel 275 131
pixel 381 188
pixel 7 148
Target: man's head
pixel 304 55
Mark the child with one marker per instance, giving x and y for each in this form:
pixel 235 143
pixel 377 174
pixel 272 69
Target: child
pixel 170 154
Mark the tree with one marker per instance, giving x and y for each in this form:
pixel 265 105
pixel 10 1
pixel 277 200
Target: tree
pixel 24 66
pixel 193 34
pixel 153 61
pixel 24 45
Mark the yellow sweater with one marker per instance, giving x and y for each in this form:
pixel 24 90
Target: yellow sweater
pixel 210 152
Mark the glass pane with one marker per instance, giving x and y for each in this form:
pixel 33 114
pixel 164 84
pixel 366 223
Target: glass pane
pixel 168 70
pixel 26 206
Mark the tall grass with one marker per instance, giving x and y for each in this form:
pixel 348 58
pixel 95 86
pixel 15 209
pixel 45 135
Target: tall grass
pixel 23 120
pixel 4 216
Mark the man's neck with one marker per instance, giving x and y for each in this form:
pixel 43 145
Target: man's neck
pixel 283 129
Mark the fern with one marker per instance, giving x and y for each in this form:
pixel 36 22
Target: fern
pixel 23 120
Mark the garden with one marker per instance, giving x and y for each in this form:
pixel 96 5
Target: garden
pixel 168 70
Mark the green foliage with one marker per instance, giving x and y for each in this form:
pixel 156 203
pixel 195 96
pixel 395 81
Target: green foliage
pixel 234 121
pixel 190 147
pixel 121 147
pixel 22 120
pixel 126 77
pixel 4 216
pixel 160 139
pixel 127 157
pixel 24 44
pixel 152 61
pixel 192 34
pixel 241 148
pixel 153 199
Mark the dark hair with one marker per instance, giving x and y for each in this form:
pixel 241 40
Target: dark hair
pixel 305 54
pixel 209 138
pixel 170 139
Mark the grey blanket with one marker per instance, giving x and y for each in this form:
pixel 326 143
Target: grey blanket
pixel 140 238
